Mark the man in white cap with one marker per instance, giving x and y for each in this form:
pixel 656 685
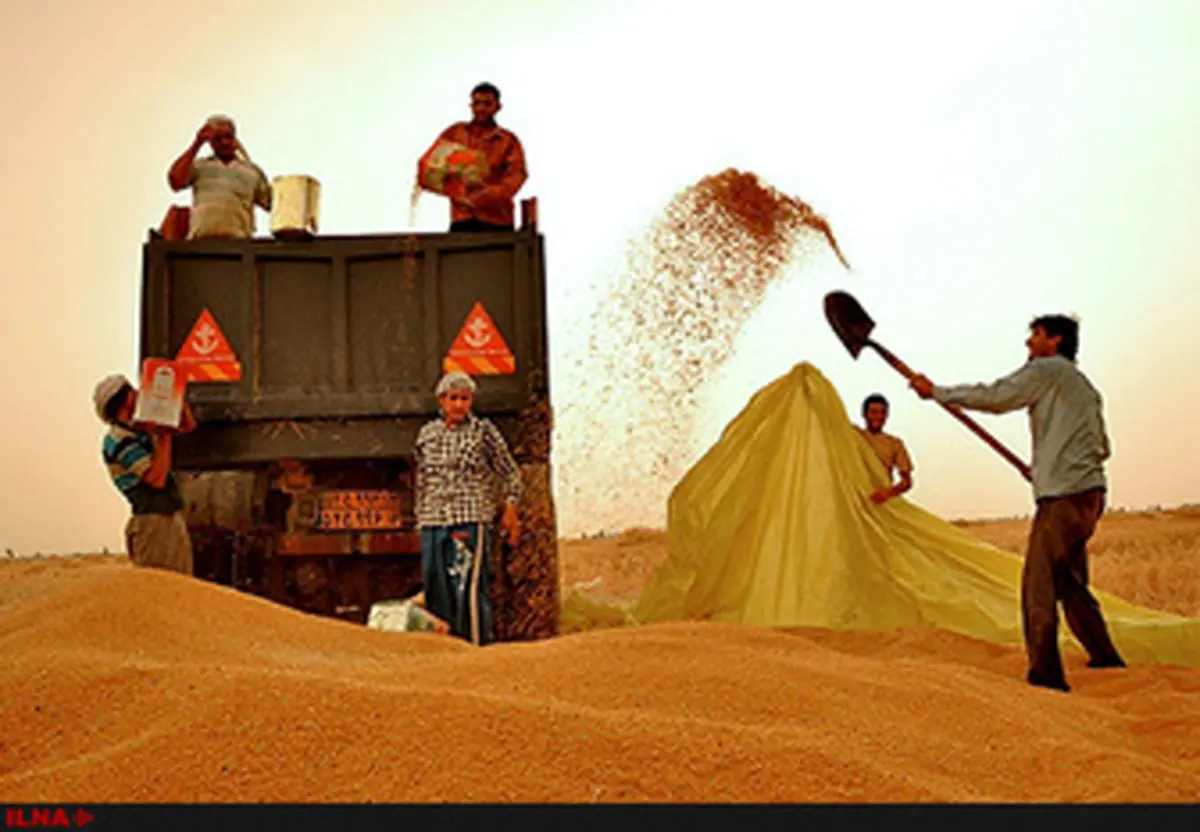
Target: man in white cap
pixel 462 464
pixel 139 461
pixel 225 186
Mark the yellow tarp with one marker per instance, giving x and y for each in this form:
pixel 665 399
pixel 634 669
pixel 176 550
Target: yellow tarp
pixel 774 527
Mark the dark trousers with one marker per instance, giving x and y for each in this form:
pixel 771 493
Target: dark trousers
pixel 1056 571
pixel 454 566
pixel 476 225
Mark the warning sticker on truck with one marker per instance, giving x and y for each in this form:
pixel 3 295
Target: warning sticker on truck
pixel 206 354
pixel 480 349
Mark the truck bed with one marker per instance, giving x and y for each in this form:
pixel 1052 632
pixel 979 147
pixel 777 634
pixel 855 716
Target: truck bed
pixel 341 339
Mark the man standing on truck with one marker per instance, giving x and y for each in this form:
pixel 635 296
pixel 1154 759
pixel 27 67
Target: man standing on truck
pixel 1070 446
pixel 139 462
pixel 462 463
pixel 890 449
pixel 225 186
pixel 487 205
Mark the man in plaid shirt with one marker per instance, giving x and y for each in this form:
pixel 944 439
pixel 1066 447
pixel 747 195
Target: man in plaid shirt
pixel 462 465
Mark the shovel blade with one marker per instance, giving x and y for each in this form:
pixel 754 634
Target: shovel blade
pixel 850 322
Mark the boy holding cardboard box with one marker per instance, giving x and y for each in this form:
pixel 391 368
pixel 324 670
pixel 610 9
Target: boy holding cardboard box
pixel 137 452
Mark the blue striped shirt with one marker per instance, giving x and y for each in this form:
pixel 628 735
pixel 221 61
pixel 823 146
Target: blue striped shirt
pixel 129 454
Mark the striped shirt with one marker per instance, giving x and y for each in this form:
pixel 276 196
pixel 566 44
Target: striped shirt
pixel 224 196
pixel 1070 443
pixel 461 471
pixel 129 455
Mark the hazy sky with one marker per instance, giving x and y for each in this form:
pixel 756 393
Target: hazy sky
pixel 980 164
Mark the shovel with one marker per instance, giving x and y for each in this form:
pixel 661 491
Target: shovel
pixel 853 327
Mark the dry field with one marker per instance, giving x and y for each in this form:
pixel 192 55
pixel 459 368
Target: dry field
pixel 122 684
pixel 1148 558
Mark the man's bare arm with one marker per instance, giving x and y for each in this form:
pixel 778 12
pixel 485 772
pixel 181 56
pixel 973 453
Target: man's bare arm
pixel 187 420
pixel 180 174
pixel 263 195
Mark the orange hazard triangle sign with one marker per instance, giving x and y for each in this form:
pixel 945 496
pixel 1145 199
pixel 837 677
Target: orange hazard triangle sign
pixel 480 349
pixel 206 354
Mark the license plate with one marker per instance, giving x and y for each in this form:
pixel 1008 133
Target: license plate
pixel 346 510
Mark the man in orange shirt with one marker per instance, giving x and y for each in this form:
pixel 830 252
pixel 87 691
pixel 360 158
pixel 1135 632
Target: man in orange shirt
pixel 890 449
pixel 487 206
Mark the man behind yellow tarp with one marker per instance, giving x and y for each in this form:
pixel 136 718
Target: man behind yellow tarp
pixel 770 528
pixel 890 449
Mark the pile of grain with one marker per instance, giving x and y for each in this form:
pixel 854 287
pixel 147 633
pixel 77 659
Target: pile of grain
pixel 128 685
pixel 626 428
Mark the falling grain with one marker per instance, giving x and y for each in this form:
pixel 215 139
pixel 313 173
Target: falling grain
pixel 666 327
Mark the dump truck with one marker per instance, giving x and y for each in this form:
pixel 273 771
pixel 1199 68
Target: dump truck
pixel 312 365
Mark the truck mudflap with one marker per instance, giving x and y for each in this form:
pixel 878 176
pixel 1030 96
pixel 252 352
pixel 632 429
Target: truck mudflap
pixel 525 592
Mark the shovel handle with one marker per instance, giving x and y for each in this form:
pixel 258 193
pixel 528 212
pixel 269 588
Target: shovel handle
pixel 974 426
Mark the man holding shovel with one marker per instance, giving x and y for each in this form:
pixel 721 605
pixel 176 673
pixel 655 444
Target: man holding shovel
pixel 1070 446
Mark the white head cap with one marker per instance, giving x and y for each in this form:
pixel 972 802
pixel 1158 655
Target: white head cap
pixel 107 388
pixel 456 380
pixel 218 118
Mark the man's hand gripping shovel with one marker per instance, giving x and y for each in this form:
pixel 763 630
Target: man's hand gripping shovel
pixel 853 328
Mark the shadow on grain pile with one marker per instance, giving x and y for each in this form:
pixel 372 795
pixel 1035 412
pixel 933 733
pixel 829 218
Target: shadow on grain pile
pixel 128 685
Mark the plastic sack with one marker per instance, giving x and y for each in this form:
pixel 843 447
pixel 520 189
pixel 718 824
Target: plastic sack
pixel 448 167
pixel 405 616
pixel 175 223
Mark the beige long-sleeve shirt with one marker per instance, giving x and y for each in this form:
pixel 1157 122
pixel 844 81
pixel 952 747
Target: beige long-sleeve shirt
pixel 1066 419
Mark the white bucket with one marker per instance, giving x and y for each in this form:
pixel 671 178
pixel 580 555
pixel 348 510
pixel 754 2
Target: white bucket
pixel 295 204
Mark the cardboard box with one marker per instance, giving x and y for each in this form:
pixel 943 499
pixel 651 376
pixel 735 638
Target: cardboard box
pixel 160 394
